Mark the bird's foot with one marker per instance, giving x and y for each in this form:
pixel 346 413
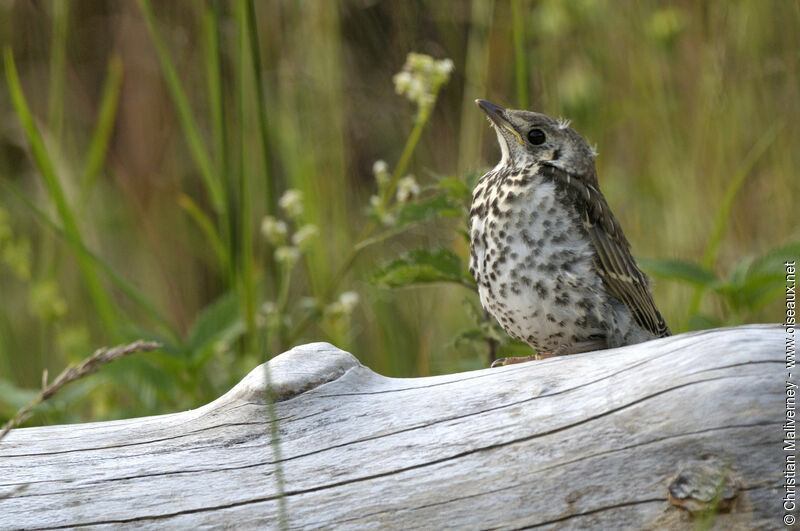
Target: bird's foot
pixel 563 350
pixel 502 362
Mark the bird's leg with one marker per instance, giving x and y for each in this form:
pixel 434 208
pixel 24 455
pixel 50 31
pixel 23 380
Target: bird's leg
pixel 563 350
pixel 509 361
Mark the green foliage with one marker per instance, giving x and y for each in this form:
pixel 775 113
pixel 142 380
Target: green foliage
pixel 679 270
pixel 13 398
pixel 219 324
pixel 439 205
pixel 422 266
pixel 749 285
pixel 448 197
pixel 55 188
pixel 142 185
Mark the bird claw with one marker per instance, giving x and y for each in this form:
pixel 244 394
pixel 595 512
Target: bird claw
pixel 563 350
pixel 502 362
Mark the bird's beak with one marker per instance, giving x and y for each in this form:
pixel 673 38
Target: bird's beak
pixel 497 115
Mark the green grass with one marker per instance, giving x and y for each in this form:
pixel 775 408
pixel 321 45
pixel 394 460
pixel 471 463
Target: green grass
pixel 135 175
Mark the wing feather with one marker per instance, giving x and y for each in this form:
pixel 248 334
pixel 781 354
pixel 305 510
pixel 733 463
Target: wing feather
pixel 618 270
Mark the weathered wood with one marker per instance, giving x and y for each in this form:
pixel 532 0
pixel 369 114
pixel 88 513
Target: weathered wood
pixel 591 440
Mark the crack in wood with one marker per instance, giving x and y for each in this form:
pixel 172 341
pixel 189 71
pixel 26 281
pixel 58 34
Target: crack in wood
pixel 590 439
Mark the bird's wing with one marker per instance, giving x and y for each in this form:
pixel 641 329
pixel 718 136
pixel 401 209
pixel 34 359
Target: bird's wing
pixel 621 276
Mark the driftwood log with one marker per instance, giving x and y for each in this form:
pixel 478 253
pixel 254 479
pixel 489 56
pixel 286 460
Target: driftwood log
pixel 633 438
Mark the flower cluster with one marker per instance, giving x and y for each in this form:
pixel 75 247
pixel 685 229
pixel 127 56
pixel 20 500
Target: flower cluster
pixel 276 231
pixel 421 78
pixel 292 202
pixel 406 189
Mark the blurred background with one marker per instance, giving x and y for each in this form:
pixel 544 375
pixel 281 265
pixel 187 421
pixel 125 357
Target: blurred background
pixel 146 152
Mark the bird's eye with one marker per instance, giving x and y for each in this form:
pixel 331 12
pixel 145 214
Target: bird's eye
pixel 536 137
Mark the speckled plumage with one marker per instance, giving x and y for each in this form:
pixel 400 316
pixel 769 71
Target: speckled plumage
pixel 551 261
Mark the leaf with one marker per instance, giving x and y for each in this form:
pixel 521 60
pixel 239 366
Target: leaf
pixel 419 211
pixel 470 334
pixel 456 189
pixel 207 227
pixel 680 270
pixel 219 321
pixel 759 290
pixel 764 280
pixel 13 398
pixel 772 262
pixel 422 266
pixel 740 270
pixel 472 179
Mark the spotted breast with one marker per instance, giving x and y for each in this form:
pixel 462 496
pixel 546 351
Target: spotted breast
pixel 532 262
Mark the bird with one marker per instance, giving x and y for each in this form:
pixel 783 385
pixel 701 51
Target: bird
pixel 550 260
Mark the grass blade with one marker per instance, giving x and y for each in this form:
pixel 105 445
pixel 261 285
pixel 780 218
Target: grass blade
pixel 190 129
pixel 130 291
pixel 263 129
pixel 520 63
pixel 245 242
pixel 105 308
pixel 723 214
pixel 98 147
pixel 58 60
pixel 207 227
pixel 732 190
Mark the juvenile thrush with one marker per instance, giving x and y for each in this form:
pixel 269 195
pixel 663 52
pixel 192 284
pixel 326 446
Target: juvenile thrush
pixel 550 259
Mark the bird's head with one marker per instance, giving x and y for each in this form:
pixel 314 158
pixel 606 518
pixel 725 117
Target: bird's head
pixel 527 137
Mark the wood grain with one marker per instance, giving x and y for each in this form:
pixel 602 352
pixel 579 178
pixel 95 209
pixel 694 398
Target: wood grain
pixel 590 440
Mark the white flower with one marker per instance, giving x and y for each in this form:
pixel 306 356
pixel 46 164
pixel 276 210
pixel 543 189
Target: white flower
pixel 419 62
pixel 344 306
pixel 407 188
pixel 273 229
pixel 388 219
pixel 416 89
pixel 304 235
pixel 422 77
pixel 445 67
pixel 374 200
pixel 287 255
pixel 401 81
pixel 380 166
pixel 381 171
pixel 292 202
pixel 268 308
pixel 348 300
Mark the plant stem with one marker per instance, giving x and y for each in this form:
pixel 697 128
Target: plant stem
pixel 86 367
pixel 246 273
pixel 405 157
pixel 263 129
pixel 364 240
pixel 520 65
